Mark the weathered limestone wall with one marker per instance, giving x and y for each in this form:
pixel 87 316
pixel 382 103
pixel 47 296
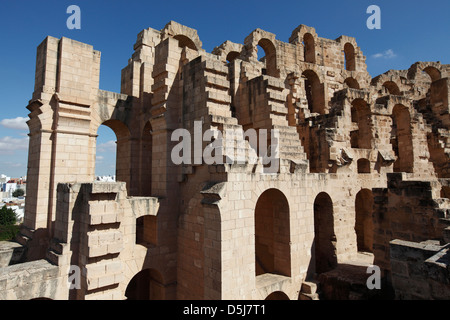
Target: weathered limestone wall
pixel 420 270
pixel 231 230
pixel 406 210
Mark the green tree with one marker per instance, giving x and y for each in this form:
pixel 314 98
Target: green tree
pixel 18 193
pixel 8 227
pixel 8 216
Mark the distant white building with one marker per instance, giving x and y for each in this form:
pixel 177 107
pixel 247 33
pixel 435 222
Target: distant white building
pixel 4 179
pixel 8 189
pixel 105 178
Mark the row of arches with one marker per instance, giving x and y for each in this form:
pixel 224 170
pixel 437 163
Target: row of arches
pixel 309 51
pixel 400 135
pixel 393 82
pixel 362 137
pixel 272 241
pixel 272 231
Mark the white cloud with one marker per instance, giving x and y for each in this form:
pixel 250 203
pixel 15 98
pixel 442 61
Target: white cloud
pixel 9 144
pixel 388 54
pixel 109 146
pixel 18 123
pixel 99 158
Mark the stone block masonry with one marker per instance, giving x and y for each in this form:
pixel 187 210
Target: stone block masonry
pixel 363 172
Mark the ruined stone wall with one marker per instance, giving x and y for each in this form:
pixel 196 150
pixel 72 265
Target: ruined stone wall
pixel 216 231
pixel 420 270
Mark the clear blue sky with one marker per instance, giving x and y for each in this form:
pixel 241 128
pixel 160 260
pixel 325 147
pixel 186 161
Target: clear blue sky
pixel 410 31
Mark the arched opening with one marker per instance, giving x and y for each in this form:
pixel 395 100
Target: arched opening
pixel 364 220
pixel 352 83
pixel 401 139
pixel 309 48
pixel 105 157
pixel 277 295
pixel 324 247
pixel 272 234
pixel 148 284
pixel 314 92
pixel 433 72
pixel 232 55
pixel 363 166
pixel 122 154
pixel 184 41
pixel 361 115
pixel 349 54
pixel 146 230
pixel 391 88
pixel 270 57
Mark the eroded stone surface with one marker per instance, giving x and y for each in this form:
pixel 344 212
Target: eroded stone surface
pixel 362 161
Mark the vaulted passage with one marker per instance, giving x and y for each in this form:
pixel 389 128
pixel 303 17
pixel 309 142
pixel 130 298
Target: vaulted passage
pixel 272 234
pixel 364 220
pixel 324 247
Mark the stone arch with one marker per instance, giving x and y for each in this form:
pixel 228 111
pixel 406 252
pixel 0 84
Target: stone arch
pixel 309 48
pixel 123 153
pixel 361 115
pixel 364 220
pixel 270 56
pixel 425 70
pixel 391 87
pixel 228 51
pixel 349 57
pixel 187 37
pixel 363 165
pixel 184 41
pixel 120 129
pixel 277 295
pixel 232 55
pixel 324 246
pixel 272 234
pixel 147 284
pixel 401 139
pixel 389 83
pixel 352 83
pixel 433 72
pixel 314 90
pixel 266 41
pixel 298 34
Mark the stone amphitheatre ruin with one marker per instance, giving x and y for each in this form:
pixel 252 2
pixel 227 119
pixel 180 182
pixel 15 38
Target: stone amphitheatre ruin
pixel 363 175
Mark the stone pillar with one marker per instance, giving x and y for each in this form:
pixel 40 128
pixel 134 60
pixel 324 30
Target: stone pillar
pixel 61 145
